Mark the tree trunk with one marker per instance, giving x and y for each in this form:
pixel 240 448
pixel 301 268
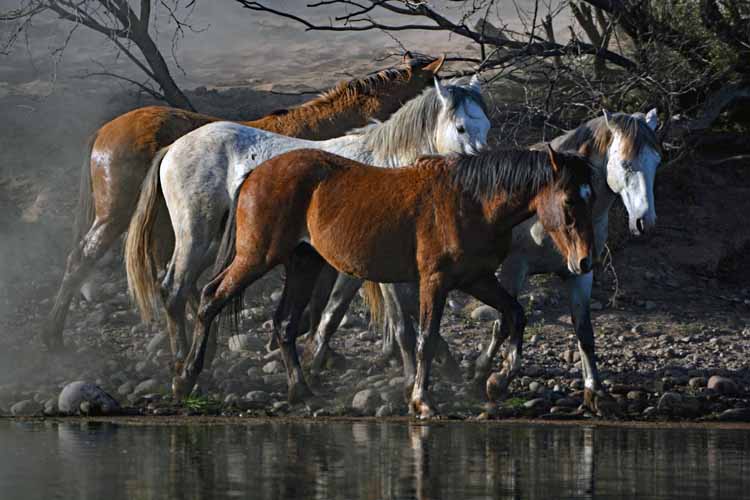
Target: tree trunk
pixel 161 74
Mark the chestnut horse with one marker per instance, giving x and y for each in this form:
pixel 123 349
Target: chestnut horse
pixel 445 222
pixel 122 150
pixel 198 175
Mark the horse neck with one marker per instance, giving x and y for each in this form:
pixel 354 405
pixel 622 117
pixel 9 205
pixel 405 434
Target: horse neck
pixel 372 146
pixel 504 212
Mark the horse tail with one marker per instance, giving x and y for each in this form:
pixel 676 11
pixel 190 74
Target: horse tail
pixel 85 207
pixel 141 248
pixel 375 301
pixel 224 257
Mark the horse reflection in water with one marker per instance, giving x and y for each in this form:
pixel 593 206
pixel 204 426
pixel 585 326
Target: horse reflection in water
pixel 270 460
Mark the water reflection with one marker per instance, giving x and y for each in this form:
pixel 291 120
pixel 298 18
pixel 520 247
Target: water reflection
pixel 275 460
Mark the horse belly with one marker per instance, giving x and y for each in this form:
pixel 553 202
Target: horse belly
pixel 354 245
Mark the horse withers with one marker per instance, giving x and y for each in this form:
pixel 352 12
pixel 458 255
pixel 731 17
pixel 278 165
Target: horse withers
pixel 444 222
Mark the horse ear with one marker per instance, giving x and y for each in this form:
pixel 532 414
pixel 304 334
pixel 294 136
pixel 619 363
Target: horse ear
pixel 607 118
pixel 652 119
pixel 476 83
pixel 442 92
pixel 407 58
pixel 553 158
pixel 435 65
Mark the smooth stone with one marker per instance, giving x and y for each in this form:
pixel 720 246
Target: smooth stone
pixel 669 401
pixel 26 408
pixel 385 410
pixel 366 401
pixel 50 407
pixel 75 393
pixel 156 342
pixel 245 342
pixel 484 313
pixel 125 388
pixel 273 367
pixel 722 385
pixel 261 397
pixel 147 386
pixel 735 415
pixel 535 386
pixel 537 404
pixel 231 398
pixel 697 382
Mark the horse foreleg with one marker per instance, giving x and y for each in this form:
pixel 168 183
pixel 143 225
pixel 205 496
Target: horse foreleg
pixel 579 294
pixel 488 290
pixel 81 261
pixel 344 291
pixel 302 270
pixel 432 296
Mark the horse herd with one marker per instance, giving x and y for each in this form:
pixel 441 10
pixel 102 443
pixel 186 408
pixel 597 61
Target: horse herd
pixel 415 203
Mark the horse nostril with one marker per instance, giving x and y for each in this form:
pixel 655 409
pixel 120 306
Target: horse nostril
pixel 585 265
pixel 640 225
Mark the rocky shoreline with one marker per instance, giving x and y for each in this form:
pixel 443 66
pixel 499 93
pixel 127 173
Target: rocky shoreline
pixel 656 367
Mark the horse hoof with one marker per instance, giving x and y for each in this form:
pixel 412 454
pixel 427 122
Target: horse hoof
pixel 181 387
pixel 496 386
pixel 421 409
pixel 298 393
pixel 600 403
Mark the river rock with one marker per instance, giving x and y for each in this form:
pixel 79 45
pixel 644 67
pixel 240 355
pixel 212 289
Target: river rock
pixel 50 407
pixel 245 342
pixel 385 410
pixel 156 342
pixel 484 313
pixel 273 367
pixel 260 397
pixel 723 385
pixel 537 405
pixel 126 388
pixel 735 415
pixel 26 408
pixel 75 393
pixel 669 401
pixel 697 382
pixel 366 401
pixel 146 387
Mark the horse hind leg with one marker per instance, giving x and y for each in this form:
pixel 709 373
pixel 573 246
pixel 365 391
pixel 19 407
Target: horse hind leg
pixel 180 282
pixel 81 260
pixel 231 282
pixel 302 271
pixel 488 290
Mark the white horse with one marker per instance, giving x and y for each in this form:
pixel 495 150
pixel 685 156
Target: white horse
pixel 200 173
pixel 624 153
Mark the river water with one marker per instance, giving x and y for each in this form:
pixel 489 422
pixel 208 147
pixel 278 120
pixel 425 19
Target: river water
pixel 368 460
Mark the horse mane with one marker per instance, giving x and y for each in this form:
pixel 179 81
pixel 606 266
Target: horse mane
pixel 597 133
pixel 368 85
pixel 512 170
pixel 408 128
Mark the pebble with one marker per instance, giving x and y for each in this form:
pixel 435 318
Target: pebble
pixel 156 342
pixel 366 401
pixel 147 386
pixel 76 393
pixel 535 386
pixel 722 385
pixel 26 408
pixel 484 313
pixel 245 343
pixel 669 401
pixel 697 382
pixel 258 397
pixel 273 367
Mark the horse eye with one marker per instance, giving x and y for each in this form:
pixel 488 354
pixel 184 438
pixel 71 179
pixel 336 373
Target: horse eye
pixel 461 129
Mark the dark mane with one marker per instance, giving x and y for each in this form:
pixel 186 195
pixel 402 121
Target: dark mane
pixel 510 170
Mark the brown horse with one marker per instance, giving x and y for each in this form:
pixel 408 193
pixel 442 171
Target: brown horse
pixel 123 149
pixel 445 222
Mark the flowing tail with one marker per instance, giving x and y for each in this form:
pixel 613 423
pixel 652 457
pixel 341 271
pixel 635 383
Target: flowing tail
pixel 375 301
pixel 85 208
pixel 141 248
pixel 224 257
